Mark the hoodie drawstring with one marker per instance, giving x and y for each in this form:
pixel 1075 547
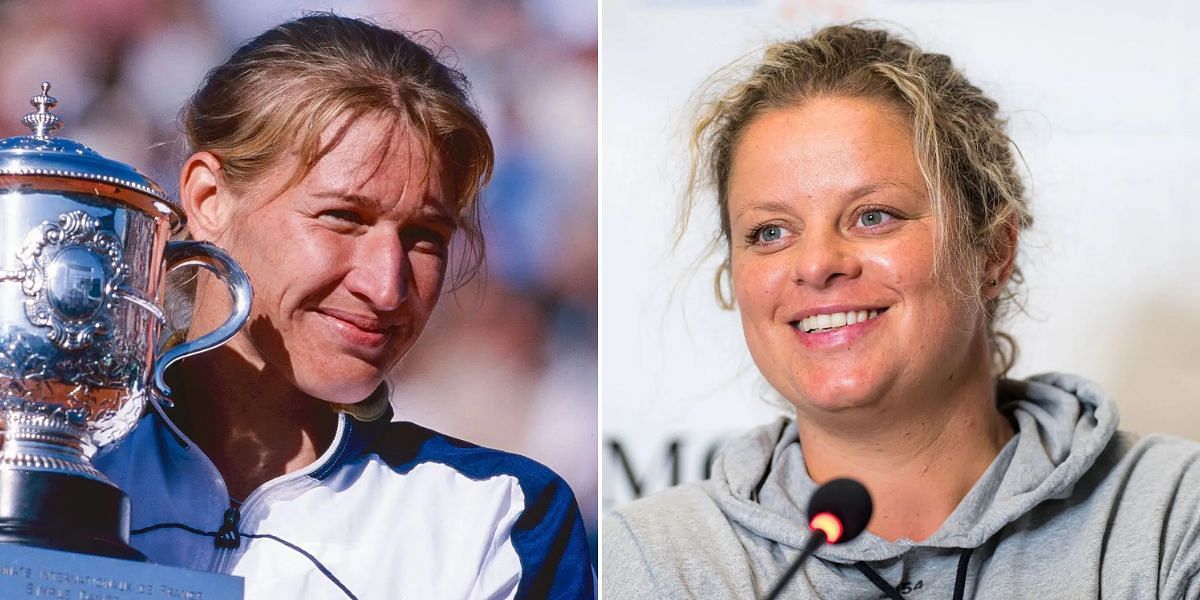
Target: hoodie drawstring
pixel 960 579
pixel 885 587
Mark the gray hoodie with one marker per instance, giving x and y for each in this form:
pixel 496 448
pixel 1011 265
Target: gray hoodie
pixel 1070 508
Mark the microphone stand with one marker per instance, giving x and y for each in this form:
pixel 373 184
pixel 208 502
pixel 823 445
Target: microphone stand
pixel 814 542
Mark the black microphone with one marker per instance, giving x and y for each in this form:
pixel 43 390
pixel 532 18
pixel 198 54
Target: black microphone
pixel 837 512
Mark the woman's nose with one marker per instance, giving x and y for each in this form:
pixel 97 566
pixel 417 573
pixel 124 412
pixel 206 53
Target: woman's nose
pixel 381 273
pixel 823 257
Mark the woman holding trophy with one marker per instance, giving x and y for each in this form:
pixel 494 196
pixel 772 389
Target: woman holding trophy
pixel 336 161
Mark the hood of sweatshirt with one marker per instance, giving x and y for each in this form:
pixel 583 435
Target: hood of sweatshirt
pixel 1062 422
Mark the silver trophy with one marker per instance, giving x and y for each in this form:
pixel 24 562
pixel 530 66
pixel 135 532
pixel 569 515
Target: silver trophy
pixel 83 256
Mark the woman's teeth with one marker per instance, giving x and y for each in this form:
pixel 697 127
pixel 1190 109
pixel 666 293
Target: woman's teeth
pixel 835 320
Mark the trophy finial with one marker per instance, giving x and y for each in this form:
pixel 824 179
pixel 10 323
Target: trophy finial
pixel 42 122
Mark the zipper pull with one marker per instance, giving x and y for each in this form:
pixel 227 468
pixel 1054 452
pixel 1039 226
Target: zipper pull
pixel 228 535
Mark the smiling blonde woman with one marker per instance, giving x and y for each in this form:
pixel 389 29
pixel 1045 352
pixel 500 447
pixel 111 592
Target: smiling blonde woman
pixel 337 161
pixel 871 210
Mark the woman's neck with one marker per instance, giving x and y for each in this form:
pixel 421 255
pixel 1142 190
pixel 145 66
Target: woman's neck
pixel 918 460
pixel 250 421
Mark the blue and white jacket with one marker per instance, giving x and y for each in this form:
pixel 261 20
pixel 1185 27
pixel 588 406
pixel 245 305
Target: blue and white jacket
pixel 390 510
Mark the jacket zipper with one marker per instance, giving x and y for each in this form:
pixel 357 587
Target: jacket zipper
pixel 228 543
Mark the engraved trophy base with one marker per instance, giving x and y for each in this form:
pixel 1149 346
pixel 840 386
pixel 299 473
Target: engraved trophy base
pixel 64 512
pixel 61 536
pixel 27 572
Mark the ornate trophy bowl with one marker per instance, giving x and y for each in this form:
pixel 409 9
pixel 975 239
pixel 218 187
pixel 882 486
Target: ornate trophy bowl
pixel 83 254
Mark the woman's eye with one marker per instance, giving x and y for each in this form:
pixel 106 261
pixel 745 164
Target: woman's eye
pixel 872 218
pixel 342 217
pixel 765 234
pixel 427 239
pixel 770 233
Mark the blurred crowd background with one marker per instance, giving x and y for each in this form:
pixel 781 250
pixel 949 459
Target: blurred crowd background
pixel 509 360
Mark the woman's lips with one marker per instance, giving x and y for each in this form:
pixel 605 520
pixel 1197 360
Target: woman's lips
pixel 358 330
pixel 828 336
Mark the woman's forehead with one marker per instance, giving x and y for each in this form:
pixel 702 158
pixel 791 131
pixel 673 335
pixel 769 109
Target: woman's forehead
pixel 821 147
pixel 380 163
pixel 373 160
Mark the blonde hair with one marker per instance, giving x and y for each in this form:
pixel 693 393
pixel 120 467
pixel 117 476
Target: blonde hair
pixel 280 91
pixel 966 158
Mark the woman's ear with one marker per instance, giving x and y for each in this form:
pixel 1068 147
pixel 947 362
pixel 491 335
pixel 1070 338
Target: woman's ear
pixel 1003 257
pixel 205 197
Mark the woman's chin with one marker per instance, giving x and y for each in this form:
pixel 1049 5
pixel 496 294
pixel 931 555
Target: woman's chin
pixel 335 377
pixel 341 389
pixel 844 394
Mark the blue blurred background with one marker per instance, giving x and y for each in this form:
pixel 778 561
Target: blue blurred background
pixel 509 360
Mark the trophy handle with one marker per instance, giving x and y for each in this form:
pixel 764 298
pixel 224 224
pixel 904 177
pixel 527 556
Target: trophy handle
pixel 203 254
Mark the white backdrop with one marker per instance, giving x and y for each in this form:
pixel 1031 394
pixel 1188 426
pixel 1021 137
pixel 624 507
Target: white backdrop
pixel 1104 103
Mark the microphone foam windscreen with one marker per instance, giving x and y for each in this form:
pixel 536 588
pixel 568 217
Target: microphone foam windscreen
pixel 847 500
